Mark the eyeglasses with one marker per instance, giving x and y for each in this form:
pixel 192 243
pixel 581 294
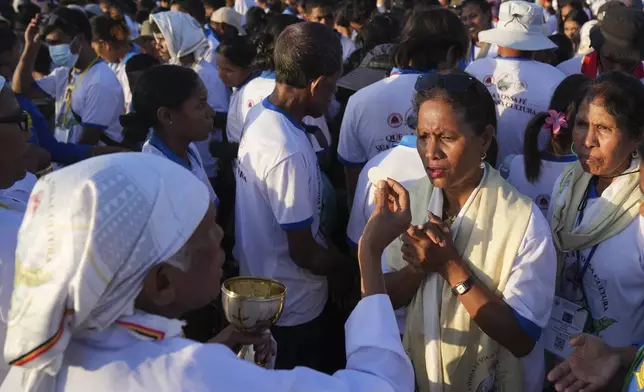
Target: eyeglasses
pixel 21 119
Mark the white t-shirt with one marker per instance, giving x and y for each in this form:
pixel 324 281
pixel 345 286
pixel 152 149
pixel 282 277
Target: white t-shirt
pixel 529 291
pixel 520 88
pixel 97 98
pixel 513 170
pixel 121 75
pixel 348 46
pixel 475 50
pixel 218 101
pixel 279 188
pixel 156 146
pixel 376 117
pixel 253 93
pixel 613 279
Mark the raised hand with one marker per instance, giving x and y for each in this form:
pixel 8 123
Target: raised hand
pixel 391 217
pixel 590 367
pixel 429 247
pixel 32 35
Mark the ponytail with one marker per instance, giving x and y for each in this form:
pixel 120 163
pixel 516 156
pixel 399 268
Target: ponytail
pixel 531 153
pixel 135 129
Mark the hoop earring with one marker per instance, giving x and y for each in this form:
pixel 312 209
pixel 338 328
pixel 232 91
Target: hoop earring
pixel 482 164
pixel 634 155
pixel 572 149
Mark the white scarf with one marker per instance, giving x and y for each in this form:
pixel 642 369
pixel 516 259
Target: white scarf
pixel 182 34
pixel 90 234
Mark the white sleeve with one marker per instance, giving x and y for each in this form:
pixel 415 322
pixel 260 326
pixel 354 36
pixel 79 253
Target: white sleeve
pixel 288 193
pixel 49 84
pixel 233 121
pixel 102 106
pixel 361 209
pixel 531 287
pixel 376 362
pixel 350 150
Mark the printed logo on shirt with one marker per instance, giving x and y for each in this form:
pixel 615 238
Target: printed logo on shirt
pixel 390 141
pixel 395 120
pixel 488 80
pixel 250 103
pixel 495 375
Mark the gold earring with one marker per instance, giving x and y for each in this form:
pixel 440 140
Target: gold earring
pixel 482 164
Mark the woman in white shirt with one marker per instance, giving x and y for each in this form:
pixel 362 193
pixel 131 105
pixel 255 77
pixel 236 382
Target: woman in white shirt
pixel 534 173
pixel 183 38
pixel 141 249
pixel 594 213
pixel 476 270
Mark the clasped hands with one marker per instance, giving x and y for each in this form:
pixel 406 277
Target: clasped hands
pixel 427 247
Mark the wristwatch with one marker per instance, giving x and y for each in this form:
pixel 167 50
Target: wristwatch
pixel 463 287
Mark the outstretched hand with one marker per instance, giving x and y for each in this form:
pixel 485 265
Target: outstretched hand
pixel 590 367
pixel 391 216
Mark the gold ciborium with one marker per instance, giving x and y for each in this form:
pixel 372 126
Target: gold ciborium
pixel 252 304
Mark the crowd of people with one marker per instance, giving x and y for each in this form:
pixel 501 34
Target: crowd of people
pixel 450 191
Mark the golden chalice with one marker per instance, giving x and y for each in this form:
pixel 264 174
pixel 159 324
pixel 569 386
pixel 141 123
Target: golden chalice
pixel 252 304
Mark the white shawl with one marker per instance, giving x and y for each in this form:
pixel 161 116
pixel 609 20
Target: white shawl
pixel 182 34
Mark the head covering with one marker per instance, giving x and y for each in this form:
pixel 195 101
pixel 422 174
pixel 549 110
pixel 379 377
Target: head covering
pixel 520 27
pixel 230 17
pixel 620 35
pixel 182 33
pixel 90 234
pixel 584 34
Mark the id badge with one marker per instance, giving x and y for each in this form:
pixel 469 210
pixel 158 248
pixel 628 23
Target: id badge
pixel 566 320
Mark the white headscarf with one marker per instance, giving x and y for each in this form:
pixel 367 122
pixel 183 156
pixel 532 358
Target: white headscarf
pixel 584 38
pixel 182 33
pixel 90 234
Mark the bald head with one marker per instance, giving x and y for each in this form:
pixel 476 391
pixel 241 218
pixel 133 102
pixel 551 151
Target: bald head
pixel 305 52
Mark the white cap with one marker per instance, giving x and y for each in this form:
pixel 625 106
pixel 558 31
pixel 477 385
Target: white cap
pixel 228 16
pixel 520 27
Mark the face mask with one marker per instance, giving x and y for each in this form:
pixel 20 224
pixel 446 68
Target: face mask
pixel 62 55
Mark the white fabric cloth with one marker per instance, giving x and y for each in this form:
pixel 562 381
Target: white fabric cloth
pixel 218 101
pixel 612 282
pixel 182 33
pixel 121 75
pixel 19 192
pixel 115 360
pixel 375 119
pixel 91 233
pixel 572 66
pixel 584 37
pixel 251 94
pixel 97 98
pixel 520 88
pixel 513 170
pixel 156 147
pixel 279 188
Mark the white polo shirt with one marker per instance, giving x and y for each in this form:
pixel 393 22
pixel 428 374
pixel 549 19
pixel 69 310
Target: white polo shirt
pixel 253 93
pixel 121 75
pixel 279 188
pixel 97 99
pixel 218 101
pixel 376 117
pixel 520 88
pixel 513 170
pixel 156 146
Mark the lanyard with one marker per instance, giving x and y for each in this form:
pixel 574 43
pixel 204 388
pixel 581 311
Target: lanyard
pixel 69 90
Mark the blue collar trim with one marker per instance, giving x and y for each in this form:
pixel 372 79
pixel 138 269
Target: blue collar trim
pixel 546 156
pixel 155 141
pixel 268 75
pixel 408 141
pixel 592 189
pixel 252 76
pixel 268 105
pixel 513 58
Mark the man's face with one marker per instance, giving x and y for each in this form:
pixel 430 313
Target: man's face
pixel 323 15
pixel 13 139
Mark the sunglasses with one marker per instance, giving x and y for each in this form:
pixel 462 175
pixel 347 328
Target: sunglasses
pixel 21 119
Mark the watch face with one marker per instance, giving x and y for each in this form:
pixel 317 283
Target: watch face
pixel 461 288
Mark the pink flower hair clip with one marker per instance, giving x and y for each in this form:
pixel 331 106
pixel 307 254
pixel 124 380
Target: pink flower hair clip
pixel 555 121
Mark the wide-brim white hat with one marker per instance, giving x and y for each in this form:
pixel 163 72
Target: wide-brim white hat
pixel 520 27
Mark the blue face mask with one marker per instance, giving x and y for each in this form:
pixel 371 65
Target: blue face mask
pixel 62 55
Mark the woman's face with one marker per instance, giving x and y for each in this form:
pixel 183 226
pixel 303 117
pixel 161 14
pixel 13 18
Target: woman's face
pixel 603 149
pixel 571 29
pixel 565 10
pixel 475 20
pixel 230 74
pixel 13 140
pixel 162 47
pixel 195 117
pixel 450 150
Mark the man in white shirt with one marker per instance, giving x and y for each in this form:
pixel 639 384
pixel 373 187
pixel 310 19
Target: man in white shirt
pixel 377 116
pixel 618 43
pixel 13 136
pixel 89 97
pixel 279 196
pixel 321 11
pixel 520 86
pixel 477 17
